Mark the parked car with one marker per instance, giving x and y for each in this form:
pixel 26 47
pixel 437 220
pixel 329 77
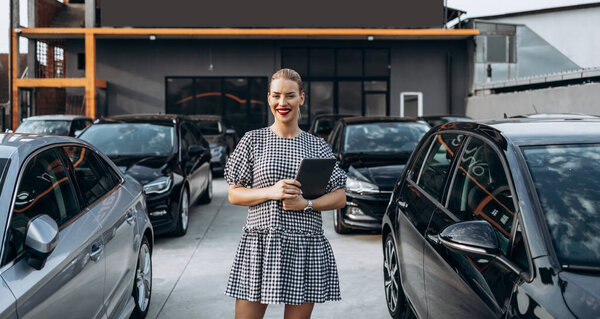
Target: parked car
pixel 373 151
pixel 167 155
pixel 222 140
pixel 322 125
pixel 497 219
pixel 566 116
pixel 76 241
pixel 66 125
pixel 435 120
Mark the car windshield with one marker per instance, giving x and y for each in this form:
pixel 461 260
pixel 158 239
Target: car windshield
pixel 210 127
pixel 47 127
pixel 567 181
pixel 131 139
pixel 383 137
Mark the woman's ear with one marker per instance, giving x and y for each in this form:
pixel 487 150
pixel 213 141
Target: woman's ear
pixel 302 96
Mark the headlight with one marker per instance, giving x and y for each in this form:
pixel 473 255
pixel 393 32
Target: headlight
pixel 216 151
pixel 158 186
pixel 355 186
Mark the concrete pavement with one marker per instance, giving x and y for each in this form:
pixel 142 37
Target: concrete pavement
pixel 190 272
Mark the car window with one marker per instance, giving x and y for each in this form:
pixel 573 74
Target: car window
pixel 481 190
pixel 437 164
pixel 93 179
pixel 187 139
pixel 44 188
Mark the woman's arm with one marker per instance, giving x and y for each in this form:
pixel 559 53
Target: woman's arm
pixel 333 200
pixel 284 189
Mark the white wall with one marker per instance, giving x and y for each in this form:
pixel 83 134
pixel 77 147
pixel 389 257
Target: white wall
pixel 572 99
pixel 575 33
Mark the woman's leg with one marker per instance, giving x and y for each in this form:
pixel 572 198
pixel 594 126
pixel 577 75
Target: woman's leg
pixel 245 309
pixel 302 311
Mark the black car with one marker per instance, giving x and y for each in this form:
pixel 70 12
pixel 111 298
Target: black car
pixel 373 152
pixel 222 139
pixel 497 219
pixel 435 120
pixel 322 124
pixel 167 155
pixel 65 125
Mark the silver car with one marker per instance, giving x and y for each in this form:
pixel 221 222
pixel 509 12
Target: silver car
pixel 75 238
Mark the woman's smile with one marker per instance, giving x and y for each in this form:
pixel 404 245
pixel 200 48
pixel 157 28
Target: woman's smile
pixel 283 110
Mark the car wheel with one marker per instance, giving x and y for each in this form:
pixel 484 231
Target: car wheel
pixel 142 285
pixel 394 295
pixel 338 223
pixel 208 193
pixel 183 217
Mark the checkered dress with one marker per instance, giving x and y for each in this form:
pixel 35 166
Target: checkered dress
pixel 283 256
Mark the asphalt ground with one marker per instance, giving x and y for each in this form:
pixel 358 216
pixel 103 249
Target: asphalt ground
pixel 190 272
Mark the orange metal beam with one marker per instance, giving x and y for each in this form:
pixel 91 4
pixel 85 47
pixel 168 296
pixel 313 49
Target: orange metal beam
pixel 250 32
pixel 15 75
pixel 52 82
pixel 100 84
pixel 90 75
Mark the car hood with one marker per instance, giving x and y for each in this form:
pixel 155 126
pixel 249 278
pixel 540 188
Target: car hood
pixel 145 169
pixel 582 293
pixel 359 160
pixel 383 176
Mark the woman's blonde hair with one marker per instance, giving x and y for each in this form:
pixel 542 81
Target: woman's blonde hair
pixel 287 74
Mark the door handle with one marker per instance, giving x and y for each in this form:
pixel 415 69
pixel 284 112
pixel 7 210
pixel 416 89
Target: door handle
pixel 402 204
pixel 96 252
pixel 131 216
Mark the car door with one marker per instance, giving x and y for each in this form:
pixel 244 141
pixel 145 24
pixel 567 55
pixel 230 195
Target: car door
pixel 71 282
pixel 457 285
pixel 419 199
pixel 100 190
pixel 8 303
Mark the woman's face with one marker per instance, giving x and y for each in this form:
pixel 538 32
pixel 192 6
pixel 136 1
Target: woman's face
pixel 285 100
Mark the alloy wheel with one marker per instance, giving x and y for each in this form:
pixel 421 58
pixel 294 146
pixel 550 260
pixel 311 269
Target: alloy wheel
pixel 390 275
pixel 143 278
pixel 185 208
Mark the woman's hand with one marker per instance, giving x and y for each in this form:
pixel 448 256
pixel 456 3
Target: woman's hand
pixel 297 203
pixel 284 189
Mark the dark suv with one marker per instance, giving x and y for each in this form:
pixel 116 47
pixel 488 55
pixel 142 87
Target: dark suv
pixel 497 219
pixel 167 155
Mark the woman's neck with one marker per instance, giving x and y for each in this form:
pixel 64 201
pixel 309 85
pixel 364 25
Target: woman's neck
pixel 285 130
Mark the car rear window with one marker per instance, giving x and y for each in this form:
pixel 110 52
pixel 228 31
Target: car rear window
pixel 567 181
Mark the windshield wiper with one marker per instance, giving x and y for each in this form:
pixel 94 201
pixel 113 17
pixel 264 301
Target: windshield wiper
pixel 581 268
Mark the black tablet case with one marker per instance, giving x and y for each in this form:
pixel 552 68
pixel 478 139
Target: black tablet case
pixel 313 174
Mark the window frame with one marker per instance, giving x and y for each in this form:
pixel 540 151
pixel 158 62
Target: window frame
pixel 103 162
pixel 82 210
pixel 517 220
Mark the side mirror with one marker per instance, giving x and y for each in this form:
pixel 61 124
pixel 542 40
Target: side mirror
pixel 40 240
pixel 8 131
pixel 196 150
pixel 476 239
pixel 77 133
pixel 230 131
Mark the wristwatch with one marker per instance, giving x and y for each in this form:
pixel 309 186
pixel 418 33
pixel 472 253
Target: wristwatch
pixel 308 207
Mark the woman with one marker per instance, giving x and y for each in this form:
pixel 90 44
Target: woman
pixel 283 256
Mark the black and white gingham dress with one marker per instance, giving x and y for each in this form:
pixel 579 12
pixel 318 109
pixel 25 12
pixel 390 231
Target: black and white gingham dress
pixel 283 256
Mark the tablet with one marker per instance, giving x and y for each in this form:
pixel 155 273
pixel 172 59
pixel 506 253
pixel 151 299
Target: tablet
pixel 313 174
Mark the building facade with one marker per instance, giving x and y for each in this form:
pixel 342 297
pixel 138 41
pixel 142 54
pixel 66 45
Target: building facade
pixel 369 67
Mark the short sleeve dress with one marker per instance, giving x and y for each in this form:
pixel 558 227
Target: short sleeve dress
pixel 283 256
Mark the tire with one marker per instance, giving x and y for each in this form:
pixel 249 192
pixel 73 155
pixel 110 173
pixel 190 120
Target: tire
pixel 208 193
pixel 183 216
pixel 338 224
pixel 395 298
pixel 142 283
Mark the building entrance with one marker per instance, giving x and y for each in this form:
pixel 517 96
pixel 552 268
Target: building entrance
pixel 242 101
